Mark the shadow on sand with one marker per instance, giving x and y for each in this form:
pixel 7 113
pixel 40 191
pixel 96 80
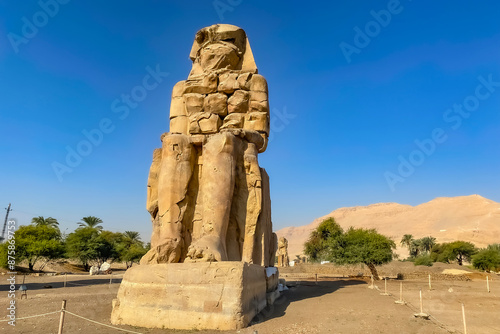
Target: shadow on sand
pixel 60 284
pixel 299 291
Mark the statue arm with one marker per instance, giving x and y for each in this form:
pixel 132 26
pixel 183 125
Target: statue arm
pixel 152 196
pixel 257 119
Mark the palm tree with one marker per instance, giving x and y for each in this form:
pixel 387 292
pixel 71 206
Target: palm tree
pixel 92 222
pixel 406 241
pixel 427 243
pixel 132 237
pixel 416 247
pixel 49 222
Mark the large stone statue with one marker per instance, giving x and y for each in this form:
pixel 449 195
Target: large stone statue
pixel 208 198
pixel 212 242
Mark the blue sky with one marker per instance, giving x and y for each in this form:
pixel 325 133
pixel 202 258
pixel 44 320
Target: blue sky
pixel 371 101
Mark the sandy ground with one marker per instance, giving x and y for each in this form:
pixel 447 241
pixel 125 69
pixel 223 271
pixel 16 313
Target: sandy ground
pixel 331 306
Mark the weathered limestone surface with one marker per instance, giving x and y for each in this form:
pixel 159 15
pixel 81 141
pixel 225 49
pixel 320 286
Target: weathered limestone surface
pixel 217 295
pixel 207 195
pixel 209 199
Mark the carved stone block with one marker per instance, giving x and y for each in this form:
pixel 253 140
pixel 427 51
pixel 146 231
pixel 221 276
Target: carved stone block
pixel 210 124
pixel 238 102
pixel 258 83
pixel 228 83
pixel 216 104
pixel 193 103
pixel 178 89
pixel 179 124
pixel 233 121
pixel 256 106
pixel 177 107
pixel 258 96
pixel 257 121
pixel 206 85
pixel 244 81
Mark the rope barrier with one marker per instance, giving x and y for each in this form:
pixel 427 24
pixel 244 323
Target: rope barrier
pixel 415 309
pixel 76 315
pixel 32 316
pixel 99 323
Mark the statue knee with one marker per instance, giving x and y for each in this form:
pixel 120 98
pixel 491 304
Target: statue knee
pixel 221 143
pixel 177 145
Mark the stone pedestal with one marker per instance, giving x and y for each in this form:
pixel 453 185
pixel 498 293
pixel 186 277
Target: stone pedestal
pixel 217 295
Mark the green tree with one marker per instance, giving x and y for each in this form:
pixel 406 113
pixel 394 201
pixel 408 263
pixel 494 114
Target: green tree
pixel 416 248
pixel 316 247
pixel 462 251
pixel 362 246
pixel 38 243
pixel 132 254
pixel 427 243
pixel 329 242
pixel 109 249
pixel 131 248
pixel 487 259
pixel 49 221
pixel 91 247
pixel 82 246
pixel 438 253
pixel 132 237
pixel 92 222
pixel 453 251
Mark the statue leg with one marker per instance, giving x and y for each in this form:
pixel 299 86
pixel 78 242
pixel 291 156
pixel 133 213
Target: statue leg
pixel 217 186
pixel 174 175
pixel 152 203
pixel 252 251
pixel 236 230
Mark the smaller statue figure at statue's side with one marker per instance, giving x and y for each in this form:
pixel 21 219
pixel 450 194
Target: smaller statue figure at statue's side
pixel 283 260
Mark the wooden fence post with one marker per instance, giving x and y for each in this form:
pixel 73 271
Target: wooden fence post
pixel 61 320
pixel 463 316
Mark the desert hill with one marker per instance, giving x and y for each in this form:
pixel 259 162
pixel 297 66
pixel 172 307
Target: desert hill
pixel 469 218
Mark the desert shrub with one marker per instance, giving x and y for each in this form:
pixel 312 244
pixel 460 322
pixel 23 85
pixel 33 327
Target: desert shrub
pixel 423 260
